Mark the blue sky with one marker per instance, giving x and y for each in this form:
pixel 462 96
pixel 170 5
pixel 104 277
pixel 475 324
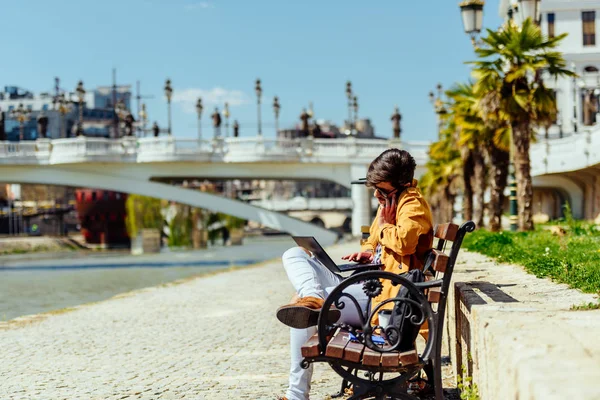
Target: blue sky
pixel 393 51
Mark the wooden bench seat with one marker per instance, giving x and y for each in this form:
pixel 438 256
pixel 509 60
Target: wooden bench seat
pixel 340 347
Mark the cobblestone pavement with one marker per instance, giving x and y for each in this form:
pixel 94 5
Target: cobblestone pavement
pixel 214 337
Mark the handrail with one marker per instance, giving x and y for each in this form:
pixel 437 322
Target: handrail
pixel 577 148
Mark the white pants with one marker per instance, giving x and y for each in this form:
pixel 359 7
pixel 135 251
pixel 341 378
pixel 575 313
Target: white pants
pixel 310 278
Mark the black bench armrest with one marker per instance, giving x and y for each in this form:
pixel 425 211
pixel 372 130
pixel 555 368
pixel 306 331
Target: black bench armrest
pixel 429 284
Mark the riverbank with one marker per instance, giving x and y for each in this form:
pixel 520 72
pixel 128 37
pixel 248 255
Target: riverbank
pixel 46 282
pixel 214 337
pixel 30 245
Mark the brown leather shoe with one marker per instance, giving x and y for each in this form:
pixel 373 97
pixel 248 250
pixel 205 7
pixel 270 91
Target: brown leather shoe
pixel 304 313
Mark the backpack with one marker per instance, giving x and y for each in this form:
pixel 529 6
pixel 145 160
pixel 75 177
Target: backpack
pixel 400 314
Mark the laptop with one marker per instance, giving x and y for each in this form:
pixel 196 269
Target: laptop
pixel 310 243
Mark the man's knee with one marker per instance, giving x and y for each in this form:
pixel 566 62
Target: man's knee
pixel 295 252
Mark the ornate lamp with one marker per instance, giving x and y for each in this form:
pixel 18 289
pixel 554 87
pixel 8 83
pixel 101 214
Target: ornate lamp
pixel 530 9
pixel 169 95
pixel 81 97
pixel 472 16
pixel 258 89
pixel 276 108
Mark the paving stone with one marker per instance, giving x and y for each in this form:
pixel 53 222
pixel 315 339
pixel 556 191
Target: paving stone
pixel 214 337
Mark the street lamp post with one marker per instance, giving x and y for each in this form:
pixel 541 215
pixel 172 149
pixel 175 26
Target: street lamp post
pixel 199 108
pixel 120 110
pixel 143 116
pixel 226 115
pixel 472 14
pixel 304 117
pixel 438 105
pixel 355 107
pixel 81 97
pixel 168 94
pixel 63 108
pixel 21 114
pixel 276 108
pixel 258 89
pixel 349 97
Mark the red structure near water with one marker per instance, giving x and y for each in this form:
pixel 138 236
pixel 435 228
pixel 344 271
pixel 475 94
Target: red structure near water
pixel 102 216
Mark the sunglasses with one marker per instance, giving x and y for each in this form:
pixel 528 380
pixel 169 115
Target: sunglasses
pixel 385 193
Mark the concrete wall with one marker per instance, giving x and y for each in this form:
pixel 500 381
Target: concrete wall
pixel 516 337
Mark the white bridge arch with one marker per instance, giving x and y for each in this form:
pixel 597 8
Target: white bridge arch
pixel 129 165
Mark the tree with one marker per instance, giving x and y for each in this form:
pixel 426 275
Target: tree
pixel 509 82
pixel 142 213
pixel 484 142
pixel 440 181
pixel 470 138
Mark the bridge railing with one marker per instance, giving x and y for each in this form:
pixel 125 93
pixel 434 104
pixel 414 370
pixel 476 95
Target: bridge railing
pixel 168 148
pixel 80 149
pixel 18 152
pixel 350 147
pixel 259 146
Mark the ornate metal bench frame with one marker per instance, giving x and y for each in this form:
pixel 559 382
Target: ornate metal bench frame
pixel 402 365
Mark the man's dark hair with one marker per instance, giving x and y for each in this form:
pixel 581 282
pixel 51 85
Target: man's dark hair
pixel 394 165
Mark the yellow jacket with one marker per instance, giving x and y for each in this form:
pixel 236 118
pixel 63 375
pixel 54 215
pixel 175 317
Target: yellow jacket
pixel 404 244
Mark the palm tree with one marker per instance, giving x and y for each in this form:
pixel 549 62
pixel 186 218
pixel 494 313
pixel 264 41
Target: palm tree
pixel 470 139
pixel 440 181
pixel 509 82
pixel 484 143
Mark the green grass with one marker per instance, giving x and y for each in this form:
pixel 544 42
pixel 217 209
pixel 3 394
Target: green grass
pixel 586 307
pixel 573 259
pixel 468 389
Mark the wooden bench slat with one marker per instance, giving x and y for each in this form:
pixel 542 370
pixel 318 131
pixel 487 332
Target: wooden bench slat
pixel 353 351
pixel 446 231
pixel 340 346
pixel 335 347
pixel 409 357
pixel 371 357
pixel 311 347
pixel 440 260
pixel 434 294
pixel 391 359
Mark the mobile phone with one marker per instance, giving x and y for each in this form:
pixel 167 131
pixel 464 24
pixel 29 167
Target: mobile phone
pixel 393 196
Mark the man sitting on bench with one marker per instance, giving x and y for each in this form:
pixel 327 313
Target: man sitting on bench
pixel 400 235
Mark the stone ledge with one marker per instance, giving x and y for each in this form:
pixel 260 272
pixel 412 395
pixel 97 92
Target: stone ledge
pixel 515 335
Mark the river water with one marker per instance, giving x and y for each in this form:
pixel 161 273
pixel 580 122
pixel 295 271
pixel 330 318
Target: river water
pixel 35 286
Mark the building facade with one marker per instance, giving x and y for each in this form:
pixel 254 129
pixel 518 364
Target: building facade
pixel 577 98
pixel 98 114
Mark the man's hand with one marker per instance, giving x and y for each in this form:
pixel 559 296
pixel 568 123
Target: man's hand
pixel 361 256
pixel 388 212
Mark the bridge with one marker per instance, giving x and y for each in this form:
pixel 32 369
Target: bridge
pixel 142 165
pixel 564 169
